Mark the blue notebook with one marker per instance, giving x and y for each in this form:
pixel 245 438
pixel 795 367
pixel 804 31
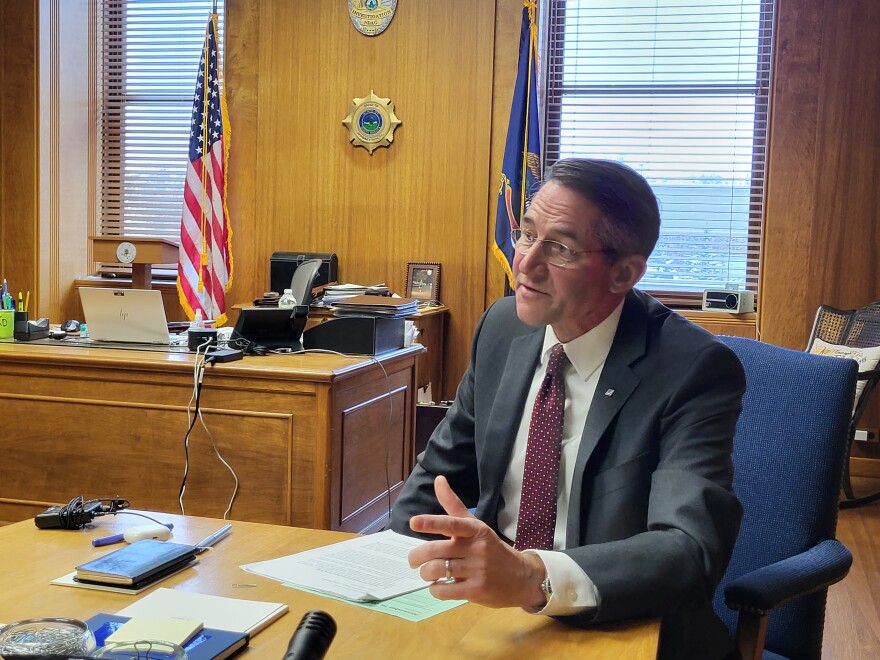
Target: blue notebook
pixel 207 644
pixel 136 563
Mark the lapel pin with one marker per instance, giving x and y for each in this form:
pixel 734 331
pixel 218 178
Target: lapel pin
pixel 609 392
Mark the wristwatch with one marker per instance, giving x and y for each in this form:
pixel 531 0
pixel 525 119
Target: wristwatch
pixel 547 588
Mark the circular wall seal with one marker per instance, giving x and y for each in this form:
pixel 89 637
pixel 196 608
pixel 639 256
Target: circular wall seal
pixel 371 122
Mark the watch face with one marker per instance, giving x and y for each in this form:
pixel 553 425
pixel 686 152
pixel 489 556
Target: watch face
pixel 126 252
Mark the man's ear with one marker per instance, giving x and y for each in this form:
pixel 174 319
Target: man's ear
pixel 627 271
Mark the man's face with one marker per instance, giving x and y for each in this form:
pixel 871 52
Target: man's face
pixel 575 298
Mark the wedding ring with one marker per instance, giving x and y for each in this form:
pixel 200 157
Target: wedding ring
pixel 449 577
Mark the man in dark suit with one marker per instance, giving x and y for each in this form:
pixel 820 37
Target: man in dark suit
pixel 643 520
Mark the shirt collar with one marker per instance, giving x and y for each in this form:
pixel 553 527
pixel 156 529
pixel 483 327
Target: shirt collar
pixel 589 350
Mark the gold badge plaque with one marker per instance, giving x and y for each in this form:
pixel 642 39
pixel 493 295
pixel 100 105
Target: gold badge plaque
pixel 371 17
pixel 371 122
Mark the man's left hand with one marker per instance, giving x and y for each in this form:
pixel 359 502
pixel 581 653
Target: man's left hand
pixel 486 570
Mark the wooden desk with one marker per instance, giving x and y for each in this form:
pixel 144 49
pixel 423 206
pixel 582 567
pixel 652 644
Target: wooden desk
pixel 431 323
pixel 33 557
pixel 309 436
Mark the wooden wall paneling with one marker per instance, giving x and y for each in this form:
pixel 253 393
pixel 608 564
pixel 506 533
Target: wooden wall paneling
pixel 820 234
pixel 848 157
pixel 848 193
pixel 822 200
pixel 67 152
pixel 19 239
pixel 422 199
pixel 792 174
pixel 250 277
pixel 719 323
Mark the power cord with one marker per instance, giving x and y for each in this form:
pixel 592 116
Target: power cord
pixel 79 512
pixel 196 414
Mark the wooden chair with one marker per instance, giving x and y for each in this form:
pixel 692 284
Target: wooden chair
pixel 856 329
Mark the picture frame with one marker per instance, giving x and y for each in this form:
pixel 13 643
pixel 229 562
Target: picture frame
pixel 423 281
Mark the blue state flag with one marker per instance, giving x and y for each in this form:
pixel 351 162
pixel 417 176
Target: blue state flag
pixel 521 168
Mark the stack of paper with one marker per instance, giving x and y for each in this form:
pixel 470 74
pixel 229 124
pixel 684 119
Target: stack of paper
pixel 396 308
pixel 367 568
pixel 336 292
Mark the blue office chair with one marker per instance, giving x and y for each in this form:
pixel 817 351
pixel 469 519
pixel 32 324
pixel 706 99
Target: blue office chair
pixel 788 457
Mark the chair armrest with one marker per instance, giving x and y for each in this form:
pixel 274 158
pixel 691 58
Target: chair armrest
pixel 771 586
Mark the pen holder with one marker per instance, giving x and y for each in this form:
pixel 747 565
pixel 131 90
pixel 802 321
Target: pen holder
pixel 21 320
pixel 7 323
pixel 27 330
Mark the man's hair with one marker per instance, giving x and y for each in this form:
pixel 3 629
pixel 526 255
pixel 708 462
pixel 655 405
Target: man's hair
pixel 629 220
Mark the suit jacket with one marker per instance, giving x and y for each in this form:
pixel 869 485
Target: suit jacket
pixel 652 517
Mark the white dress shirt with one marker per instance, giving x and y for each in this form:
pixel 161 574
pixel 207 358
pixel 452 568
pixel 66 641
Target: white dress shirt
pixel 573 590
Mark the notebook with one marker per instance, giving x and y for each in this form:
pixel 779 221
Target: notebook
pixel 236 614
pixel 135 563
pixel 125 315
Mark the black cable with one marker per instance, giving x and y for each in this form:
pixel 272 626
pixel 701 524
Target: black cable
pixel 186 438
pixel 79 512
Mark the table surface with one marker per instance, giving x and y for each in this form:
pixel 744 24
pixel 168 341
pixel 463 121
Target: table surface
pixel 33 557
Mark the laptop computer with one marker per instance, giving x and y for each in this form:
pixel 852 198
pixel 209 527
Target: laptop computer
pixel 134 316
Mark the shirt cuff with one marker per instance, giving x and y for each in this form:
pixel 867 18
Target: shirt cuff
pixel 573 590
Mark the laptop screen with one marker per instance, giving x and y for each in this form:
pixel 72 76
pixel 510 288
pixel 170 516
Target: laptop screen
pixel 125 315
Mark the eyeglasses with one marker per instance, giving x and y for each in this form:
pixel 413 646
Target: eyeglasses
pixel 554 252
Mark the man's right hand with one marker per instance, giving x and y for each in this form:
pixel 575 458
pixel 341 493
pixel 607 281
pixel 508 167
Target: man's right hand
pixel 486 570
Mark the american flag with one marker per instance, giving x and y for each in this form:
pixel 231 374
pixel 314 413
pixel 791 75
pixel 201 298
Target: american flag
pixel 204 269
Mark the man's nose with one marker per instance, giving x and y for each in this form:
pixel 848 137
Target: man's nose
pixel 533 260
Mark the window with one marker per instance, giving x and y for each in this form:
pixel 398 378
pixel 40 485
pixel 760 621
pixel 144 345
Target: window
pixel 677 89
pixel 149 57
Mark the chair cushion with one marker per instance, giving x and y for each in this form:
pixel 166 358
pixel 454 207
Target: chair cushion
pixel 867 358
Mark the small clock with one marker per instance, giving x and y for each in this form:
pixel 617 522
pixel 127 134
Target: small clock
pixel 126 252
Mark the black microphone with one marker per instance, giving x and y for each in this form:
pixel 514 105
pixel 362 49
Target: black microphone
pixel 312 637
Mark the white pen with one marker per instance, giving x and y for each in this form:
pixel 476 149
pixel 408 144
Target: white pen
pixel 210 540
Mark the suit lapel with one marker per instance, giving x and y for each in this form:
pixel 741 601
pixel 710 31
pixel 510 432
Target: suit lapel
pixel 507 411
pixel 616 384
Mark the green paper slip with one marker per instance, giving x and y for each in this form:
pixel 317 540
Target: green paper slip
pixel 415 606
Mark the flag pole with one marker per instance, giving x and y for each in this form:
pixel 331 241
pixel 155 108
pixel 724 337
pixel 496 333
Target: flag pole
pixel 531 6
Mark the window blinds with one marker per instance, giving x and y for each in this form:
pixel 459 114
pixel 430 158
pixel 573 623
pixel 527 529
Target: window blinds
pixel 677 89
pixel 148 60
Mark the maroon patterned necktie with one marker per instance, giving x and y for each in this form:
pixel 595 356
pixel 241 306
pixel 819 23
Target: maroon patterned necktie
pixel 536 524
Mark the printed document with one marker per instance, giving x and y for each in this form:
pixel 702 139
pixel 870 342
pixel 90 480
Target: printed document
pixel 366 568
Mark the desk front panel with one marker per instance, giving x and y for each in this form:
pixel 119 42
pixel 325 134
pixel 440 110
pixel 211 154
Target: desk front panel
pixel 116 427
